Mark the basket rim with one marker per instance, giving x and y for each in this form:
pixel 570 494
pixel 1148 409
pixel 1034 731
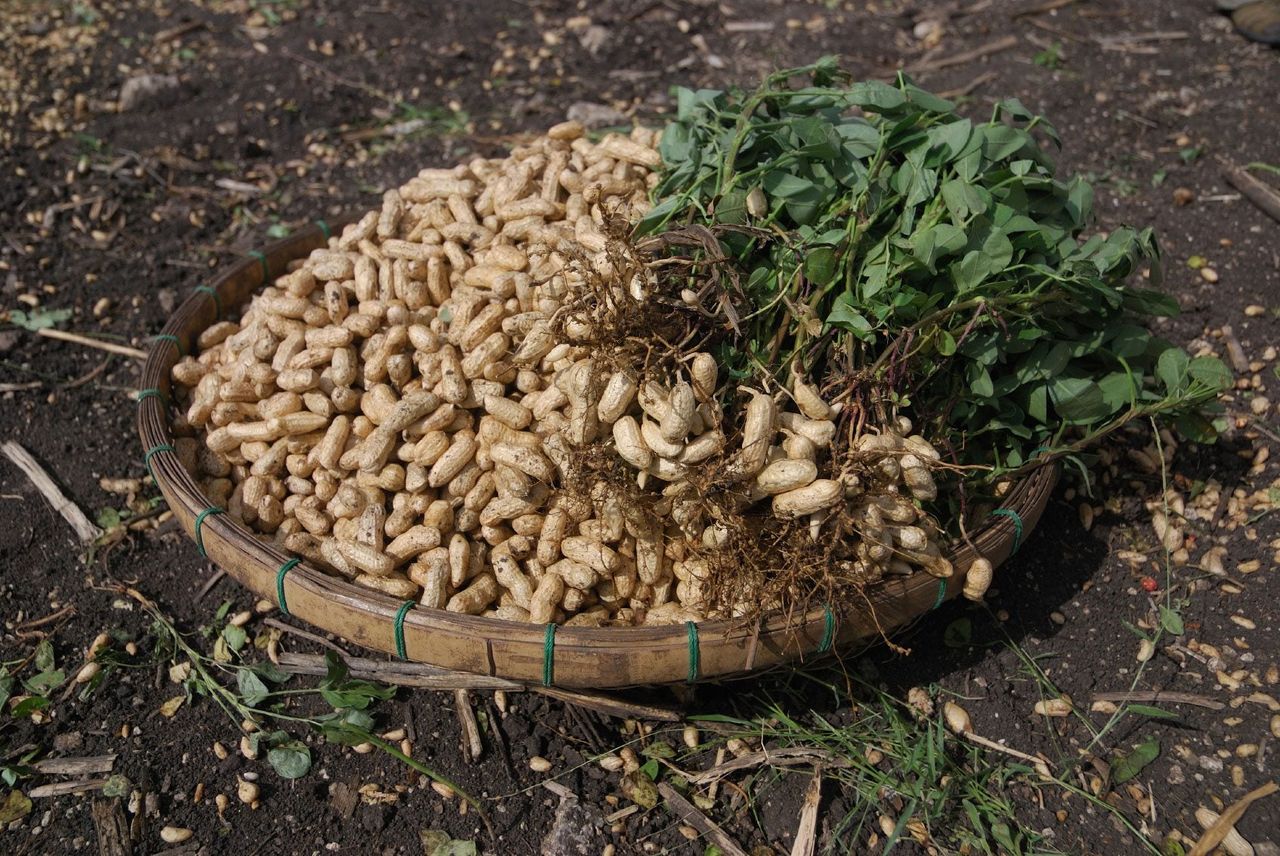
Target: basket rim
pixel 815 631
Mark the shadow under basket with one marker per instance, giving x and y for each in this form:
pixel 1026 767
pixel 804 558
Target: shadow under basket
pixel 572 657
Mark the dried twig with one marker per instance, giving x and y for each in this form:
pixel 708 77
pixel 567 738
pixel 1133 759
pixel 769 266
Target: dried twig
pixel 75 766
pixel 471 745
pixel 400 674
pixel 435 678
pixel 687 813
pixel 214 579
pixel 1041 8
pixel 76 338
pixel 42 482
pixel 1213 835
pixel 112 828
pixel 57 789
pixel 966 56
pixel 305 634
pixel 1255 191
pixel 981 80
pixel 776 757
pixel 1170 697
pixel 52 617
pixel 807 830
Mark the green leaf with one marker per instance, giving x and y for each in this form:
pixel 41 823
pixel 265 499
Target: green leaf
pixel 44 682
pixel 16 806
pixel 28 706
pixel 845 317
pixel 436 842
pixel 946 343
pixel 44 657
pixel 269 671
pixel 659 749
pixel 291 760
pixel 820 266
pixel 251 688
pixel 1171 621
pixel 959 633
pixel 1126 767
pixel 1171 370
pixel 6 687
pixel 1210 372
pixel 650 769
pixel 38 319
pixel 234 636
pixel 1078 401
pixel 1079 201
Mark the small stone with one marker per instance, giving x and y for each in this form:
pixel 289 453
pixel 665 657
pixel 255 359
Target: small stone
pixel 1259 404
pixel 1183 196
pixel 1208 274
pixel 1253 310
pixel 101 306
pixel 539 764
pixel 1210 764
pixel 147 90
pixel 174 834
pixel 689 833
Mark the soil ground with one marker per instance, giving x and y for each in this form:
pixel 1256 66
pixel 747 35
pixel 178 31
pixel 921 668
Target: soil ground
pixel 288 110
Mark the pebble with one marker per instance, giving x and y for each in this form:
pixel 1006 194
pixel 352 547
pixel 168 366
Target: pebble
pixel 1210 764
pixel 539 764
pixel 1183 196
pixel 1253 310
pixel 219 751
pixel 1208 274
pixel 174 834
pixel 1259 404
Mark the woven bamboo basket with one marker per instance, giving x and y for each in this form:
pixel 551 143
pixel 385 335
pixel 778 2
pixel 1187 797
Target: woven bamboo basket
pixel 571 657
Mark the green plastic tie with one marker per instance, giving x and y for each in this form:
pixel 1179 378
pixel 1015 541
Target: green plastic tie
pixel 199 527
pixel 1017 525
pixel 212 292
pixel 284 569
pixel 146 456
pixel 549 655
pixel 262 260
pixel 694 654
pixel 324 229
pixel 169 337
pixel 828 630
pixel 399 628
pixel 151 392
pixel 942 594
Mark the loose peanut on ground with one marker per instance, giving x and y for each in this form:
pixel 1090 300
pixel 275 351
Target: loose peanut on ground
pixel 400 409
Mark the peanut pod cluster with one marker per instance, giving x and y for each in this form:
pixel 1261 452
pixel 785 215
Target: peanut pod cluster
pixel 404 407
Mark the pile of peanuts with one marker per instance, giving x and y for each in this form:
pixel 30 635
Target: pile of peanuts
pixel 403 406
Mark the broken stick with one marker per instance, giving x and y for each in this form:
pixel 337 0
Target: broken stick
pixel 42 482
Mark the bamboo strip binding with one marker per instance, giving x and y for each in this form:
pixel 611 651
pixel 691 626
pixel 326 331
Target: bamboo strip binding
pixel 579 657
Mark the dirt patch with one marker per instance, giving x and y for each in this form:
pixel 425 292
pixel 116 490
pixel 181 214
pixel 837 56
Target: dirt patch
pixel 289 111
